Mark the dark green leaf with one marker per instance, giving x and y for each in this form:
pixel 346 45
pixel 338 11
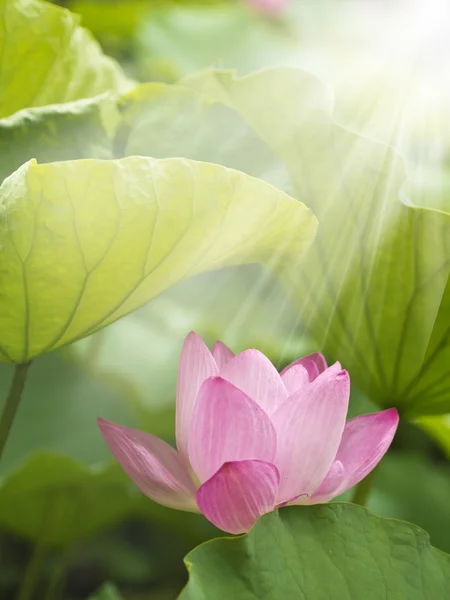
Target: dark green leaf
pixel 332 551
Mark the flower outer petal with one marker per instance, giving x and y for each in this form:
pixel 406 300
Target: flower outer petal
pixel 239 493
pixel 154 466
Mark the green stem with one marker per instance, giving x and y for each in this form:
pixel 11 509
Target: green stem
pixel 33 571
pixel 12 403
pixel 42 547
pixel 363 489
pixel 58 576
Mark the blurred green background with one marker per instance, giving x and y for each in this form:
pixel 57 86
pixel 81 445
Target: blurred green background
pixel 64 504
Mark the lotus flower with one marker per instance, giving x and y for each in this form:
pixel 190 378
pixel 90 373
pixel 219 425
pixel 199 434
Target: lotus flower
pixel 251 439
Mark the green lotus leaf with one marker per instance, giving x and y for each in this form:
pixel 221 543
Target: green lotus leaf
pixel 82 243
pixel 108 20
pixel 57 88
pixel 46 58
pixel 324 551
pixel 79 129
pixel 374 288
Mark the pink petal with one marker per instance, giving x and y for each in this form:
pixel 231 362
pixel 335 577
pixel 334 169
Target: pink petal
pixel 331 482
pixel 253 373
pixel 154 466
pixel 309 428
pixel 196 365
pixel 295 378
pixel 222 354
pixel 311 368
pixel 319 360
pixel 238 494
pixel 227 425
pixel 314 365
pixel 365 441
pixel 329 371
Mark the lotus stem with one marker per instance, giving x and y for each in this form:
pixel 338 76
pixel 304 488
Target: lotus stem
pixel 12 403
pixel 33 572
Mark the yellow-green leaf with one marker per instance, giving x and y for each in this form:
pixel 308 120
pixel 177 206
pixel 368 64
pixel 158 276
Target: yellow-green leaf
pixel 66 131
pixel 83 243
pixel 47 58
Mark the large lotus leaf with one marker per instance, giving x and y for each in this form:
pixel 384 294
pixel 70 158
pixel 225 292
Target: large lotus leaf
pixel 46 58
pixel 42 116
pixel 373 290
pixel 80 129
pixel 85 242
pixel 324 551
pixel 168 120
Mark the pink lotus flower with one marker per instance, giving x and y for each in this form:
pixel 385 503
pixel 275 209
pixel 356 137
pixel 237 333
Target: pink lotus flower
pixel 250 439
